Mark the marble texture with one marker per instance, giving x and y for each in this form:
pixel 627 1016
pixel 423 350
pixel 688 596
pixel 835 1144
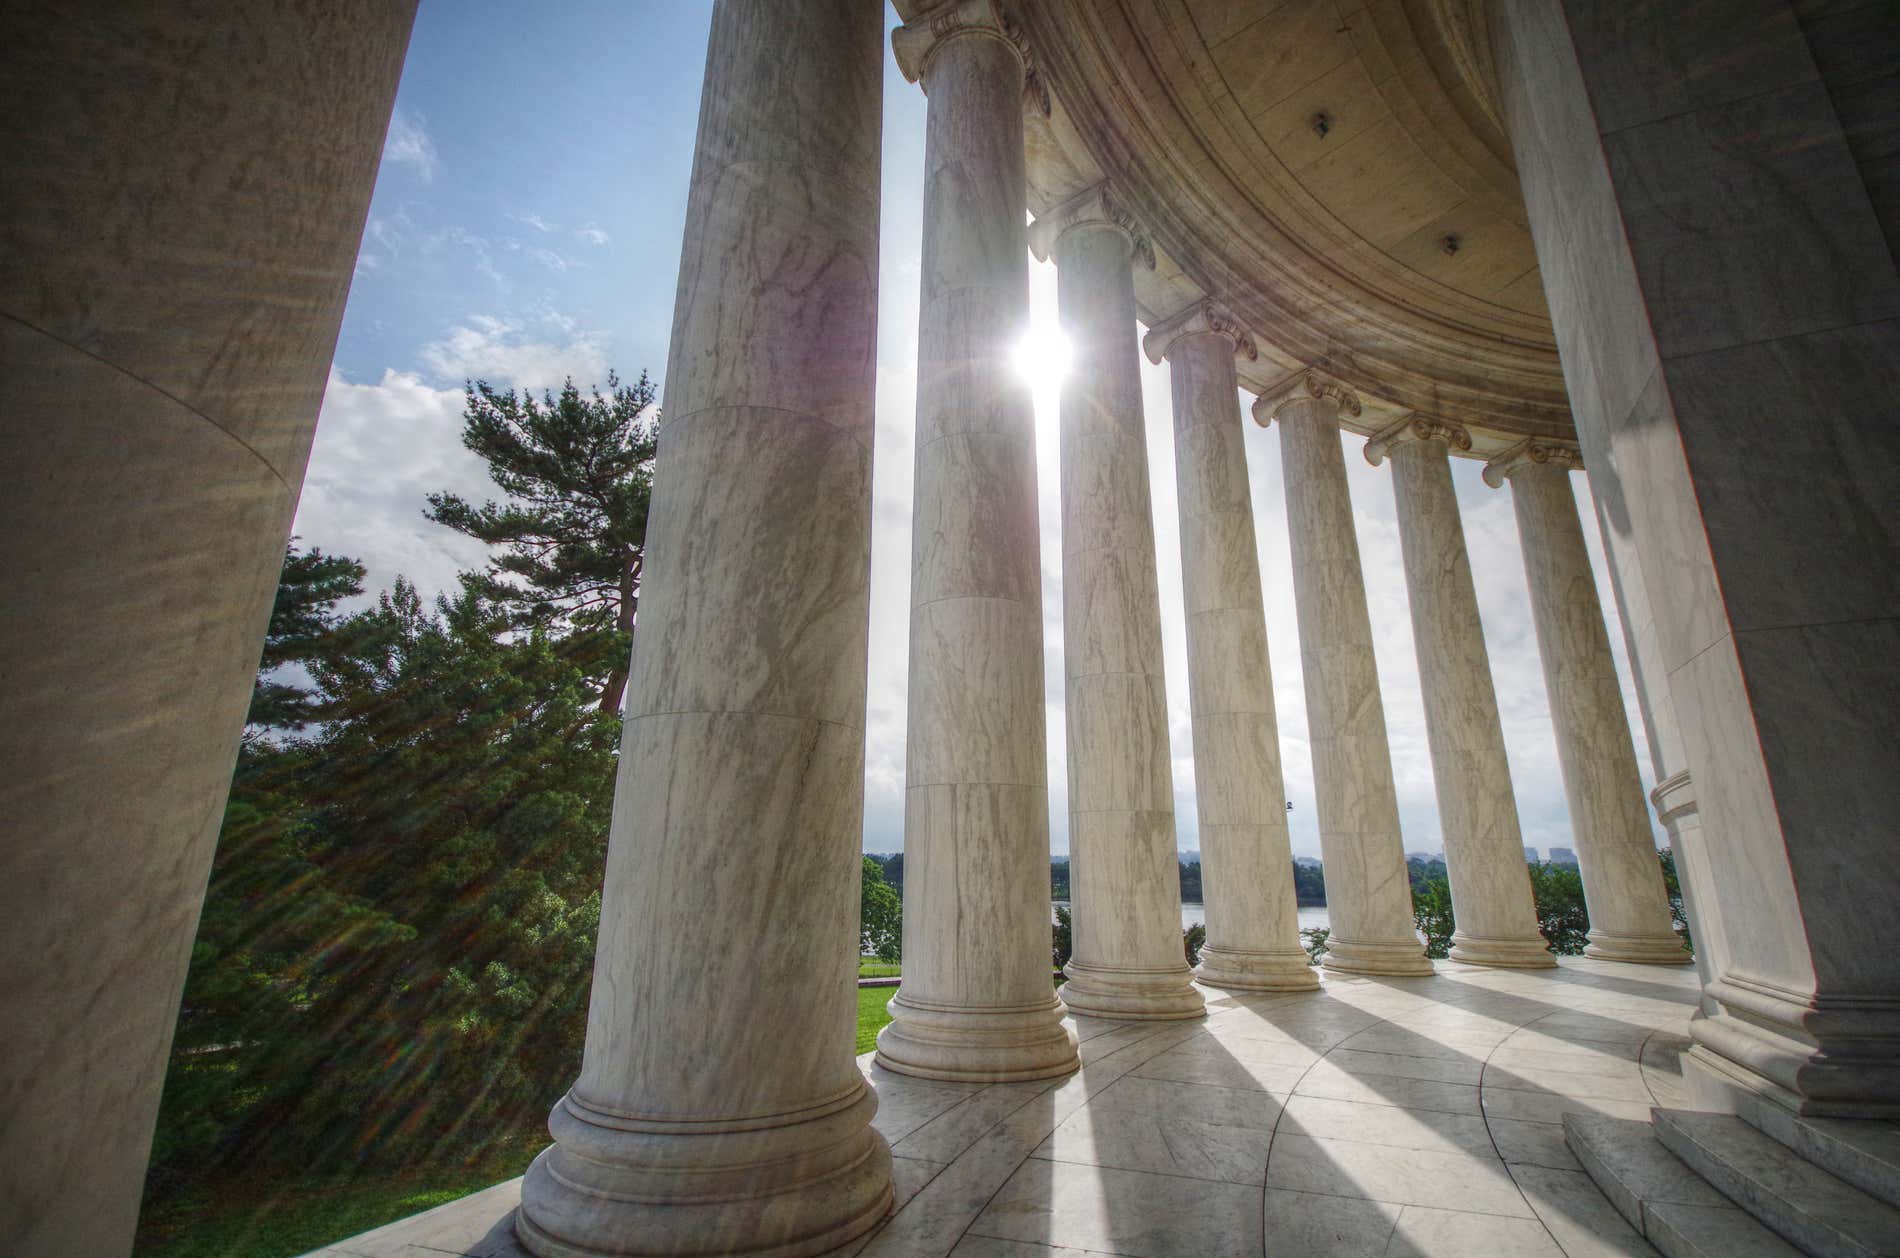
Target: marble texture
pixel 1368 893
pixel 1622 880
pixel 1253 941
pixel 745 1128
pixel 1122 1158
pixel 1127 960
pixel 185 194
pixel 975 1003
pixel 1722 291
pixel 1495 919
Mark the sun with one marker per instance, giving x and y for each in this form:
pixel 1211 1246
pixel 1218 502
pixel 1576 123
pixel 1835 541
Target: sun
pixel 1041 357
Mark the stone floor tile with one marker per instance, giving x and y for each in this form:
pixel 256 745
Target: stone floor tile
pixel 1125 1212
pixel 1328 1080
pixel 992 1247
pixel 955 1129
pixel 1588 1061
pixel 1539 1144
pixel 1389 1037
pixel 1387 1173
pixel 904 1105
pixel 1234 1107
pixel 1424 1232
pixel 1523 1078
pixel 1165 1144
pixel 1221 1069
pixel 1534 1039
pixel 1405 1065
pixel 1318 1225
pixel 1323 1118
pixel 1579 1217
pixel 1548 1107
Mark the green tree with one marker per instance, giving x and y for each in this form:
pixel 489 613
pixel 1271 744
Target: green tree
pixel 1192 940
pixel 1062 937
pixel 1673 886
pixel 880 915
pixel 1313 939
pixel 302 621
pixel 571 534
pixel 1561 915
pixel 1431 913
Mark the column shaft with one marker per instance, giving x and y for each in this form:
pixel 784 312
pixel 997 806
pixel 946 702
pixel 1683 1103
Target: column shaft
pixel 1368 890
pixel 1127 961
pixel 185 192
pixel 1622 880
pixel 719 1109
pixel 1484 846
pixel 976 1001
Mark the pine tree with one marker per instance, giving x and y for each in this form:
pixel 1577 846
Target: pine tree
pixel 571 533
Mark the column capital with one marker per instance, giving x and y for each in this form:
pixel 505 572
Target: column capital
pixel 1415 428
pixel 1531 452
pixel 1101 204
pixel 1205 315
pixel 1313 387
pixel 916 43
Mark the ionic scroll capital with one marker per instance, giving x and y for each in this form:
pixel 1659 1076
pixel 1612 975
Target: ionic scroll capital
pixel 1204 316
pixel 1532 452
pixel 1415 428
pixel 1100 205
pixel 916 43
pixel 1313 387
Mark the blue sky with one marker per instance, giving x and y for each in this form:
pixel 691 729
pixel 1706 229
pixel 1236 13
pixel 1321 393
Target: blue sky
pixel 526 226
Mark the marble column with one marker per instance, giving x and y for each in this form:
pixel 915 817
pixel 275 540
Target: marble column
pixel 1253 930
pixel 1368 889
pixel 1496 919
pixel 976 1002
pixel 1127 960
pixel 185 192
pixel 719 1108
pixel 1622 879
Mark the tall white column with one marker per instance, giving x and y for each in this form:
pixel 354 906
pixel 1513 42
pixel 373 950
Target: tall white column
pixel 719 1109
pixel 1253 930
pixel 976 1001
pixel 1496 919
pixel 1127 960
pixel 1368 890
pixel 1622 880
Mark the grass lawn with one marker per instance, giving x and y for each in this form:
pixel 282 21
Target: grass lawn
pixel 871 1015
pixel 878 969
pixel 268 1217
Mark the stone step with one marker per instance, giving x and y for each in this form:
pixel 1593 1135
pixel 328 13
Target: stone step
pixel 1863 1151
pixel 1820 1215
pixel 1677 1211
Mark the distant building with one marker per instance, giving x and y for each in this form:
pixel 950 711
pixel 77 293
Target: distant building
pixel 1530 854
pixel 1562 856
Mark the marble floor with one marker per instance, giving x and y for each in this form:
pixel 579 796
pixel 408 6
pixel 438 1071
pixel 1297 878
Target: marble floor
pixel 1376 1117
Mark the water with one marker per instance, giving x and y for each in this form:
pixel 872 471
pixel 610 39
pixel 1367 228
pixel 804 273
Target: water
pixel 1196 914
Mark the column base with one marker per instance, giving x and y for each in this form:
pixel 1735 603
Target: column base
pixel 1289 970
pixel 1638 949
pixel 1389 959
pixel 1139 995
pixel 1817 1056
pixel 611 1186
pixel 1516 954
pixel 977 1045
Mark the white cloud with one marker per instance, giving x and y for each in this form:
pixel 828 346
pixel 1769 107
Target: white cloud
pixel 380 449
pixel 532 220
pixel 408 144
pixel 501 352
pixel 592 234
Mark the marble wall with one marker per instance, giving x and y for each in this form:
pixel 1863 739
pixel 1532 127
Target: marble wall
pixel 1728 313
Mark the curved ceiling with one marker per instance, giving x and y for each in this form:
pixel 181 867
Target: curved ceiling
pixel 1334 171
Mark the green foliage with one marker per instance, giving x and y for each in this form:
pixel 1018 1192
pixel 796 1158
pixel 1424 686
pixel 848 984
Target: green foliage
pixel 1313 939
pixel 1673 886
pixel 1192 940
pixel 1191 892
pixel 1062 937
pixel 571 534
pixel 1431 913
pixel 1422 873
pixel 1309 884
pixel 1059 878
pixel 301 620
pixel 880 915
pixel 1561 916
